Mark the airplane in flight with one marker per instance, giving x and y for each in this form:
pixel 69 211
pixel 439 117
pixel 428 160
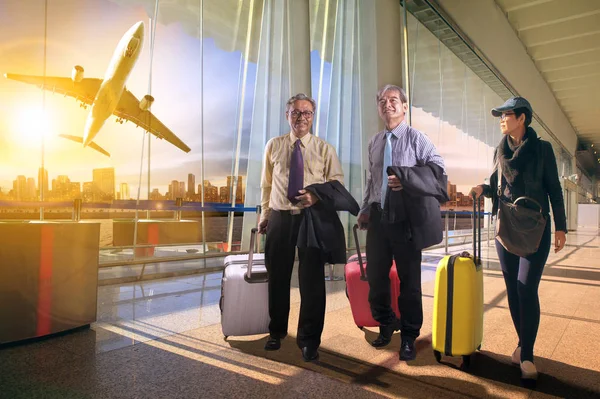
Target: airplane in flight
pixel 108 96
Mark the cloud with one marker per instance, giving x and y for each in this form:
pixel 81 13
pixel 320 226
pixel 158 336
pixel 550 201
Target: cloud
pixel 228 36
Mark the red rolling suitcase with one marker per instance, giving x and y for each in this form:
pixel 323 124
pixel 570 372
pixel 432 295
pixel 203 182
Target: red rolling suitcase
pixel 357 288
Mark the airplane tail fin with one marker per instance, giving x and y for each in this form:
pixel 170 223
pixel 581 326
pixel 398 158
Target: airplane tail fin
pixel 92 145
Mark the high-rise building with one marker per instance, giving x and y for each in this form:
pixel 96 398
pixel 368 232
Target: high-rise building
pixel 211 193
pixel 191 186
pixel 125 191
pixel 61 187
pixel 88 191
pixel 238 189
pixel 155 195
pixel 173 189
pixel 104 184
pixel 31 191
pixel 181 189
pixel 224 194
pixel 43 183
pixel 20 188
pixel 75 191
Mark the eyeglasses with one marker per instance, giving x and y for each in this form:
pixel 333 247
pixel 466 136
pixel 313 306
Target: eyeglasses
pixel 504 115
pixel 296 114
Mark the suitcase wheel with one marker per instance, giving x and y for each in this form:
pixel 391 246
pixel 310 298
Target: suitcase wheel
pixel 438 356
pixel 360 327
pixel 225 337
pixel 466 362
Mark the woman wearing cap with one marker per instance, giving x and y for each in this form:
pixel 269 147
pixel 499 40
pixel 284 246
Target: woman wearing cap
pixel 518 156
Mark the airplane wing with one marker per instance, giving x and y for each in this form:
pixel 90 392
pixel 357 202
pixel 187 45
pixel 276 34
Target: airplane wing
pixel 129 108
pixel 84 91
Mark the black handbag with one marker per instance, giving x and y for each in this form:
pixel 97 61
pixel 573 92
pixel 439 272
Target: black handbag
pixel 519 228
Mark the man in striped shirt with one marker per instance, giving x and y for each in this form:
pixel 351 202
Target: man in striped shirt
pixel 398 145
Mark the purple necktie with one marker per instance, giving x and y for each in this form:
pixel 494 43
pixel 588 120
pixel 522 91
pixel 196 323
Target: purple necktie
pixel 296 182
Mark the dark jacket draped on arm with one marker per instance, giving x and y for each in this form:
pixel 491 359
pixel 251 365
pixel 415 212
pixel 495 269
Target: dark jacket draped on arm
pixel 321 227
pixel 417 205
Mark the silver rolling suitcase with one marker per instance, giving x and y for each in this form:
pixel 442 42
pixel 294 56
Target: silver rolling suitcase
pixel 244 294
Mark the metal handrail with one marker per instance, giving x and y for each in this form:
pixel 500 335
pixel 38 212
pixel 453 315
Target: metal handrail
pixel 178 206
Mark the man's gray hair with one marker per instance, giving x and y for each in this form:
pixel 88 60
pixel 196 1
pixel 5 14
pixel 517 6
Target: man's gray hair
pixel 300 97
pixel 399 89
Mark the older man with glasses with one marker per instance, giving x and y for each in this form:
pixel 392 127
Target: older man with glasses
pixel 292 162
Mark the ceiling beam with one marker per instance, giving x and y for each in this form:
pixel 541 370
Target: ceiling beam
pixel 514 5
pixel 551 13
pixel 567 74
pixel 566 47
pixel 560 31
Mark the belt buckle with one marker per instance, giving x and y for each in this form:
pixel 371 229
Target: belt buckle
pixel 295 211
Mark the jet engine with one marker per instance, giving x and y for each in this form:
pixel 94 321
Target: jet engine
pixel 77 74
pixel 146 102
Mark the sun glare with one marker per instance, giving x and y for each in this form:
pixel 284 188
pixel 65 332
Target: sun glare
pixel 30 124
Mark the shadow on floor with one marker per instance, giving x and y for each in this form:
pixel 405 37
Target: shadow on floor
pixel 556 379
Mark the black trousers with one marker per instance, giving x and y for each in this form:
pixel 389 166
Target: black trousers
pixel 384 243
pixel 522 278
pixel 280 251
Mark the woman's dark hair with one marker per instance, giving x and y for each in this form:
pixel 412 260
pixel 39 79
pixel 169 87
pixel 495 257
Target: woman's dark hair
pixel 521 111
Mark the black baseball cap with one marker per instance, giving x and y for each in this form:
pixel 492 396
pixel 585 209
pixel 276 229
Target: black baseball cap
pixel 511 104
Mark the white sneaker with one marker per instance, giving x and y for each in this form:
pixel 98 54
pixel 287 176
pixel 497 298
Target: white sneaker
pixel 528 370
pixel 516 356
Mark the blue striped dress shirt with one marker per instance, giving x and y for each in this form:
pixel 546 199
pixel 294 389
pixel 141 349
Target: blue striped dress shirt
pixel 410 147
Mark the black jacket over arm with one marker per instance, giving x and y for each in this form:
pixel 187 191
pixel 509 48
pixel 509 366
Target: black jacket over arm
pixel 531 186
pixel 321 227
pixel 418 203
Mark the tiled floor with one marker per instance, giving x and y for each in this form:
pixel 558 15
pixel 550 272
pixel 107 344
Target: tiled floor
pixel 162 339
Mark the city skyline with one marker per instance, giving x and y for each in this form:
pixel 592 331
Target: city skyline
pixel 103 187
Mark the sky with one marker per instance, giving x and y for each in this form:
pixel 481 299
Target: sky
pixel 86 33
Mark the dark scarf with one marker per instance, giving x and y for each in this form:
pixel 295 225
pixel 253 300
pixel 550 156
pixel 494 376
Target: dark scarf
pixel 512 158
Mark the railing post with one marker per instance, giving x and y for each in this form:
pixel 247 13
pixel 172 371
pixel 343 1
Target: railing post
pixel 489 224
pixel 178 203
pixel 76 210
pixel 332 276
pixel 446 218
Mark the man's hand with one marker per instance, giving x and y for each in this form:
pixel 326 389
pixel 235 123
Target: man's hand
pixel 560 238
pixel 262 227
pixel 363 221
pixel 394 183
pixel 306 199
pixel 478 190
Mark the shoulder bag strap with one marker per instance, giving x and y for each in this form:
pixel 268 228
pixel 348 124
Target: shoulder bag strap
pixel 499 180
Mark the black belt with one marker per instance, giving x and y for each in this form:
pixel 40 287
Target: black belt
pixel 290 211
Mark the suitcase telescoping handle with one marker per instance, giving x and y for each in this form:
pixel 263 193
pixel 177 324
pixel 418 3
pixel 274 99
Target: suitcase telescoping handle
pixel 258 211
pixel 363 275
pixel 259 277
pixel 476 230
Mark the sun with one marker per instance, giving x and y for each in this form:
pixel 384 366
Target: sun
pixel 31 124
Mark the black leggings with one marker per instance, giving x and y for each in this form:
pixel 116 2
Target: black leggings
pixel 522 277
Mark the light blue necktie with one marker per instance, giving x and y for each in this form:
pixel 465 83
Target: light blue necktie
pixel 387 161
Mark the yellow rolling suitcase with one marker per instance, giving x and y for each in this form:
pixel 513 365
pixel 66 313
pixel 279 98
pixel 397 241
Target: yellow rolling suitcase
pixel 458 301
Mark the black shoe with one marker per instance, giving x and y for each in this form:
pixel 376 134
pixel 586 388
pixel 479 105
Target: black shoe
pixel 408 350
pixel 385 334
pixel 273 344
pixel 310 354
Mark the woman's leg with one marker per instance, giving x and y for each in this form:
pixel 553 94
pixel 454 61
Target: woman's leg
pixel 530 274
pixel 510 270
